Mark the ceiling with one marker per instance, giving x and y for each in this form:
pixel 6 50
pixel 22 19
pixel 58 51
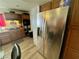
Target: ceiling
pixel 21 4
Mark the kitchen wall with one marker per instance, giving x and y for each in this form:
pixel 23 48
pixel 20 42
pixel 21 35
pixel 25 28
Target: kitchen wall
pixel 4 10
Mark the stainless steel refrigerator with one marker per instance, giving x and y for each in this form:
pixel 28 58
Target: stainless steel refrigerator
pixel 51 31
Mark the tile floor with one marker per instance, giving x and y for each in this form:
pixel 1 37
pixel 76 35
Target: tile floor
pixel 28 49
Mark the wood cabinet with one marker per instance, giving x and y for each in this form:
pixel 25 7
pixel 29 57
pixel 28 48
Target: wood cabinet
pixel 46 6
pixel 72 46
pixel 75 15
pixel 55 4
pixel 50 5
pixel 5 38
pixel 26 17
pixel 74 39
pixel 71 50
pixel 11 35
pixel 12 16
pixel 72 54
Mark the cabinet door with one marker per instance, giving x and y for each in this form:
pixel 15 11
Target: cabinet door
pixel 72 51
pixel 11 16
pixel 55 3
pixel 5 39
pixel 75 13
pixel 45 7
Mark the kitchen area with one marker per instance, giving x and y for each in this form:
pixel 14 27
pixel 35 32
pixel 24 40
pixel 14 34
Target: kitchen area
pixel 34 28
pixel 11 27
pixel 12 30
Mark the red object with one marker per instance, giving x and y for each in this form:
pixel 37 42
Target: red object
pixel 2 21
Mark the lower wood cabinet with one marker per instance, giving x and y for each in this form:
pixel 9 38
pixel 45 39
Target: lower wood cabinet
pixel 5 39
pixel 11 35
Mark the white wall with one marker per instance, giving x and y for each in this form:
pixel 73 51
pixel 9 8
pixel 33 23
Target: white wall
pixel 34 17
pixel 4 10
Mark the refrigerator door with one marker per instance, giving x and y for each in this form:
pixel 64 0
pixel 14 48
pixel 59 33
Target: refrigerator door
pixel 41 35
pixel 52 31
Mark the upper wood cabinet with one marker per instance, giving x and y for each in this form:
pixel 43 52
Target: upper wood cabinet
pixel 46 6
pixel 26 17
pixel 50 5
pixel 12 16
pixel 55 3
